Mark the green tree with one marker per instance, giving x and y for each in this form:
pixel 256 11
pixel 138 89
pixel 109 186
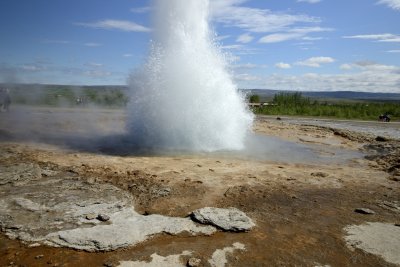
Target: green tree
pixel 254 99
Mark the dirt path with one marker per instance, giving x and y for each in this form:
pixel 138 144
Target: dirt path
pixel 300 209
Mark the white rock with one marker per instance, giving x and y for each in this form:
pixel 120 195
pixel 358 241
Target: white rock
pixel 382 239
pixel 230 219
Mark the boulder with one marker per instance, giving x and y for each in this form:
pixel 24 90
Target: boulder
pixel 230 219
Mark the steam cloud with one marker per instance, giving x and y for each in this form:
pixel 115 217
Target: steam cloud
pixel 183 97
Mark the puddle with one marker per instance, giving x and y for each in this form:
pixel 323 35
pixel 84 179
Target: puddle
pixel 257 147
pixel 390 130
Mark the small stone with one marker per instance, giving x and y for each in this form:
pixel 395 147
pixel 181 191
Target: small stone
pixel 90 216
pixel 108 264
pixel 103 217
pixel 34 245
pixel 397 224
pixel 39 256
pixel 381 139
pixel 364 211
pixel 193 262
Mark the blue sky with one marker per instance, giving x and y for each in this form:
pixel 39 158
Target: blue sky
pixel 285 44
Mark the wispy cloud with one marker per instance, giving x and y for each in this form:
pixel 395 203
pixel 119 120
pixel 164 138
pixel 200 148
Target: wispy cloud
pixel 293 34
pixel 232 14
pixel 32 67
pixel 394 4
pixel 245 38
pixel 94 64
pixel 384 37
pixel 144 9
pixel 50 41
pixel 246 66
pixel 393 51
pixel 309 1
pixel 315 62
pixel 346 66
pixel 221 37
pixel 246 77
pixel 97 73
pixel 110 24
pixel 282 65
pixel 278 37
pixel 92 44
pixel 127 55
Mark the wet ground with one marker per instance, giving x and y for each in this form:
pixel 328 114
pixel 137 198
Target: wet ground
pixel 391 129
pixel 299 199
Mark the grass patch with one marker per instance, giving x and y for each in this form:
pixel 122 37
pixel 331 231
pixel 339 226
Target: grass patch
pixel 294 104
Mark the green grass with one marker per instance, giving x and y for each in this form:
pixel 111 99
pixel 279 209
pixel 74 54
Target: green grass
pixel 294 104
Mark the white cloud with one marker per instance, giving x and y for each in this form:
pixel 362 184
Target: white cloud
pixel 245 38
pixel 309 1
pixel 127 55
pixel 246 66
pixel 94 64
pixel 312 38
pixel 92 44
pixel 47 41
pixel 221 37
pixel 230 13
pixel 393 51
pixel 233 47
pixel 394 4
pixel 282 65
pixel 97 73
pixel 278 37
pixel 33 67
pixel 315 62
pixel 110 24
pixel 346 67
pixel 366 76
pixel 246 77
pixel 292 34
pixel 384 37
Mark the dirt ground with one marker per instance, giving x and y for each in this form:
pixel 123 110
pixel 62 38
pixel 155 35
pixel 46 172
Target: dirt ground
pixel 300 208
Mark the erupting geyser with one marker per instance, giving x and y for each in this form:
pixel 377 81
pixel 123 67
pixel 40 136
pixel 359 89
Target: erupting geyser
pixel 182 97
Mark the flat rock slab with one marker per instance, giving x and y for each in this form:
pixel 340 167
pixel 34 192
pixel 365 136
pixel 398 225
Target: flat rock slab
pixel 230 219
pixel 62 210
pixel 382 239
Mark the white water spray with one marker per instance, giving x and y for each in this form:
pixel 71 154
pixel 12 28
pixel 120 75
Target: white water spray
pixel 183 97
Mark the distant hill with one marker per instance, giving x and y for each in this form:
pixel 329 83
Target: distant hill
pixel 265 94
pixel 338 95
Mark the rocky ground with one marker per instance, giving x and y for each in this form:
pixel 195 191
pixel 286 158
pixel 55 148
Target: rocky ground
pixel 67 202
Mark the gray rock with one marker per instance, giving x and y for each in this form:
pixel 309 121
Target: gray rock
pixel 230 219
pixel 127 228
pixel 25 204
pixel 364 211
pixel 381 239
